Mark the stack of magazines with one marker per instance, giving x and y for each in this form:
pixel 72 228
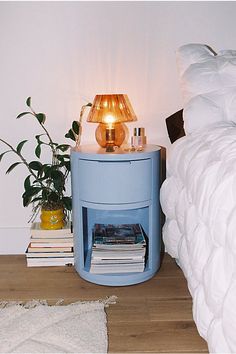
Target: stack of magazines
pixel 118 249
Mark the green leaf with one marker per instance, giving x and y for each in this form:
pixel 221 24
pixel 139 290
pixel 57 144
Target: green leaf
pixel 41 117
pixel 44 194
pixel 32 191
pixel 37 137
pixel 20 146
pixel 35 190
pixel 29 193
pixel 37 199
pixel 63 147
pixel 58 185
pixel 53 197
pixel 35 165
pixel 76 127
pixel 70 135
pixel 67 202
pixel 62 157
pixel 22 114
pixel 47 170
pixel 13 166
pixel 59 157
pixel 57 174
pixel 58 180
pixel 28 101
pixel 26 200
pixel 41 179
pixel 27 182
pixel 1 156
pixel 67 165
pixel 38 150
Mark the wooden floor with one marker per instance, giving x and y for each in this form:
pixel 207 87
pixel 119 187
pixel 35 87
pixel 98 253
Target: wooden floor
pixel 151 317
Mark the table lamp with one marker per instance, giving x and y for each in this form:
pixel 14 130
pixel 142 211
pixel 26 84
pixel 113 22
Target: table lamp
pixel 111 112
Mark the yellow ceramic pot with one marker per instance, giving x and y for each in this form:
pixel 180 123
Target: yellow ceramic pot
pixel 52 219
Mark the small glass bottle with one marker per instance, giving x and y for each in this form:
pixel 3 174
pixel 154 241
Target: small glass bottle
pixel 138 140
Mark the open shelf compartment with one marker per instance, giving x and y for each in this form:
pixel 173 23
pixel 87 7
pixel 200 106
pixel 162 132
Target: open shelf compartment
pixel 91 216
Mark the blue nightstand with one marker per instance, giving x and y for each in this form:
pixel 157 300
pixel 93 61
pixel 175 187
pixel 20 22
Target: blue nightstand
pixel 115 188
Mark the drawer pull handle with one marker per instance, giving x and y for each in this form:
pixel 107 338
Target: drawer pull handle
pixel 116 162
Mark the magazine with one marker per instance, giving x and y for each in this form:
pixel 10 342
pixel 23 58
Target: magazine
pixel 118 248
pixel 124 234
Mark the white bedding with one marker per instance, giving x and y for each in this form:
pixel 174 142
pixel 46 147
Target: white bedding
pixel 199 201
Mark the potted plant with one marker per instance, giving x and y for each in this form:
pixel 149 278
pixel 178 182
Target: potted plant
pixel 45 185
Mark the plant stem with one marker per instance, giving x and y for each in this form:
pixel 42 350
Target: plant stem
pixel 78 138
pixel 23 160
pixel 51 144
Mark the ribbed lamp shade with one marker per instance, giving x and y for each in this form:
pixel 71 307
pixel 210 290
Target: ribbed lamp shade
pixel 111 111
pixel 106 106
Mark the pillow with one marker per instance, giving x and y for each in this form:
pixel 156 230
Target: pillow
pixel 175 126
pixel 208 82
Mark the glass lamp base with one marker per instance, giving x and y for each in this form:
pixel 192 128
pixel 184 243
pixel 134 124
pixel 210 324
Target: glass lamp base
pixel 109 137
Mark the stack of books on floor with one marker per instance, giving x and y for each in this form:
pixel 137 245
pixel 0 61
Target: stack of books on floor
pixel 50 247
pixel 118 249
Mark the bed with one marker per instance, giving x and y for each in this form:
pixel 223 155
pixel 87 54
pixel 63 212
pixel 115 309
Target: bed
pixel 198 196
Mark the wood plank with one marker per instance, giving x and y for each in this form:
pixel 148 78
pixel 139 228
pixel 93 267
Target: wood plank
pixel 170 310
pixel 78 289
pixel 131 310
pixel 155 337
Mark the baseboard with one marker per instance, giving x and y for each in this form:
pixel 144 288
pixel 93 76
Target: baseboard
pixel 14 240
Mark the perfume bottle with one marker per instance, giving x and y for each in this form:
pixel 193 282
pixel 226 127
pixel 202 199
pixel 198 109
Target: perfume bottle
pixel 138 140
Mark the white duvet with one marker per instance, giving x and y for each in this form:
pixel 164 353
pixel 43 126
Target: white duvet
pixel 199 201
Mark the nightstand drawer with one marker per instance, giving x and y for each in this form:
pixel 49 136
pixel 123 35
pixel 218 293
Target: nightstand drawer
pixel 115 181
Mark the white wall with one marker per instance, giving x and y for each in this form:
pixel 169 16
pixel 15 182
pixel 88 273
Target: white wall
pixel 63 53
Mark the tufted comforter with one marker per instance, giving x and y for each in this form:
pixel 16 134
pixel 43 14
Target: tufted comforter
pixel 199 201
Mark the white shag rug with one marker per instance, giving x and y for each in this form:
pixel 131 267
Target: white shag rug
pixel 35 327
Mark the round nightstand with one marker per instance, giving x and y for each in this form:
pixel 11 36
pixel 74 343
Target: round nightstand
pixel 115 188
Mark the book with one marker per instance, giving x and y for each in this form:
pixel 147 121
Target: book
pixel 120 247
pixel 37 231
pixel 48 254
pixel 117 261
pixel 31 248
pixel 49 262
pixel 106 254
pixel 48 237
pixel 51 239
pixel 62 243
pixel 117 268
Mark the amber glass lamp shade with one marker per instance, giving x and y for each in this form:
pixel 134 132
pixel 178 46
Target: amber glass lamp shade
pixel 111 112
